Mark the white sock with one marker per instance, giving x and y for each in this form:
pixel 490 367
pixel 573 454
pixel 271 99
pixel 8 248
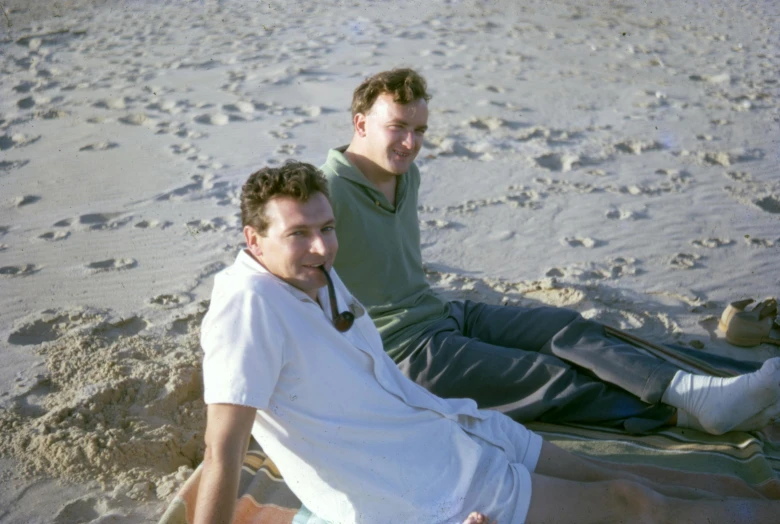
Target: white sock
pixel 717 405
pixel 760 420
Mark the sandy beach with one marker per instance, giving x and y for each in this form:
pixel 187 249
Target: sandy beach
pixel 617 158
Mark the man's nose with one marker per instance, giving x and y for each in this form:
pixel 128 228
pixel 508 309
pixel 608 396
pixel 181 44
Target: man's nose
pixel 318 245
pixel 409 140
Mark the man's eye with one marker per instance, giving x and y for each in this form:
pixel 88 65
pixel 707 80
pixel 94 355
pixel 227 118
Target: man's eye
pixel 329 228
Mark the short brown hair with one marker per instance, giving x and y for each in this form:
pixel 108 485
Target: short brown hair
pixel 406 85
pixel 297 180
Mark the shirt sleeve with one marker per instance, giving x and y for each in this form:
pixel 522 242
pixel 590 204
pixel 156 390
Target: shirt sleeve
pixel 243 348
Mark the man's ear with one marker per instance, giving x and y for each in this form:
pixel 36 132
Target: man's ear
pixel 252 238
pixel 359 121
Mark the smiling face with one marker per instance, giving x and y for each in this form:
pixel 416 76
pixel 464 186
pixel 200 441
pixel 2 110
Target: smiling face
pixel 391 133
pixel 301 236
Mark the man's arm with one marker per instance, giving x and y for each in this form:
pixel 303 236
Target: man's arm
pixel 228 428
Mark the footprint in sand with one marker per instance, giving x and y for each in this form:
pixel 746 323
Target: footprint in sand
pixel 187 324
pixel 99 146
pixel 310 111
pixel 491 123
pixel 554 272
pixel 138 119
pixel 770 204
pixel 240 107
pixel 290 150
pixel 112 264
pixel 114 103
pixel 190 135
pixel 739 176
pixel 100 221
pixel 559 187
pixel 727 158
pixel 501 235
pixel 50 325
pixel 558 162
pixel 761 242
pixel 89 509
pixel 170 300
pixel 146 224
pixel 515 199
pixel 51 114
pixel 25 103
pixel 675 175
pixel 612 268
pixel 712 243
pixel 439 224
pixel 187 189
pixel 637 147
pixel 447 146
pixel 625 214
pixel 26 200
pixel 293 122
pixel 207 226
pixel 25 86
pixel 19 271
pixel 685 261
pixel 122 328
pixel 16 140
pixel 581 242
pixel 170 107
pixel 54 236
pixel 7 165
pixel 213 119
pixel 184 149
pixel 281 135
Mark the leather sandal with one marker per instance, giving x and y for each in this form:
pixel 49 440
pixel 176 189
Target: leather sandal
pixel 747 328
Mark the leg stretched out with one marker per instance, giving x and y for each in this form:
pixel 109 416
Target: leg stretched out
pixel 566 488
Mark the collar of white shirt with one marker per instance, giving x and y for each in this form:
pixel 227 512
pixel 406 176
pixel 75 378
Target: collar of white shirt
pixel 248 263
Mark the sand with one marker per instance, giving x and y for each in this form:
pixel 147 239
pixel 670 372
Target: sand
pixel 616 158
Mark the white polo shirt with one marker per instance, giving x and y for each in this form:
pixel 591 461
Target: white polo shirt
pixel 354 438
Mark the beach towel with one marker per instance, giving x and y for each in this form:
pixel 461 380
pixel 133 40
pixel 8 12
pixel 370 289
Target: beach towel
pixel 752 457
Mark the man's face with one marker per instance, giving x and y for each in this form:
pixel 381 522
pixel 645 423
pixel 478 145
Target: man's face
pixel 394 132
pixel 300 238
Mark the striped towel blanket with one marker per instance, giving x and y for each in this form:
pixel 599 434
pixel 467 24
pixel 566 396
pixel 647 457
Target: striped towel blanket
pixel 668 455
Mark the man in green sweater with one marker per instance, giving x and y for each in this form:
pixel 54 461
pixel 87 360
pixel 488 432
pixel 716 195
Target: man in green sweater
pixel 544 363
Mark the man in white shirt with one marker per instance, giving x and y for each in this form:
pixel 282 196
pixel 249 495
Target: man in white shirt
pixel 291 358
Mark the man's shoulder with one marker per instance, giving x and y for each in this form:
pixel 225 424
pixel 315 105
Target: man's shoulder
pixel 237 280
pixel 335 162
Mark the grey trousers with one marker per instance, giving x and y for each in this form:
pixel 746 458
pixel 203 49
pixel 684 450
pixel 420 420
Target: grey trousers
pixel 547 364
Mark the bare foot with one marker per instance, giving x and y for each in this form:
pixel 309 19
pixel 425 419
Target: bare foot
pixel 477 518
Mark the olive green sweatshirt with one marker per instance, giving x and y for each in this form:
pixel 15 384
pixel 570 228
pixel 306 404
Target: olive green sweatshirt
pixel 379 257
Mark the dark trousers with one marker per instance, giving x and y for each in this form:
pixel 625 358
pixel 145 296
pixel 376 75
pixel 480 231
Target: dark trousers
pixel 547 364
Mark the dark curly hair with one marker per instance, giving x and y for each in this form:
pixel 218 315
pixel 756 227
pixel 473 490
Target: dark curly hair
pixel 406 85
pixel 294 179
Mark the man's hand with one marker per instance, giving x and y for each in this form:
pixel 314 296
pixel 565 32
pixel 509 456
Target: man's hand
pixel 227 438
pixel 476 517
